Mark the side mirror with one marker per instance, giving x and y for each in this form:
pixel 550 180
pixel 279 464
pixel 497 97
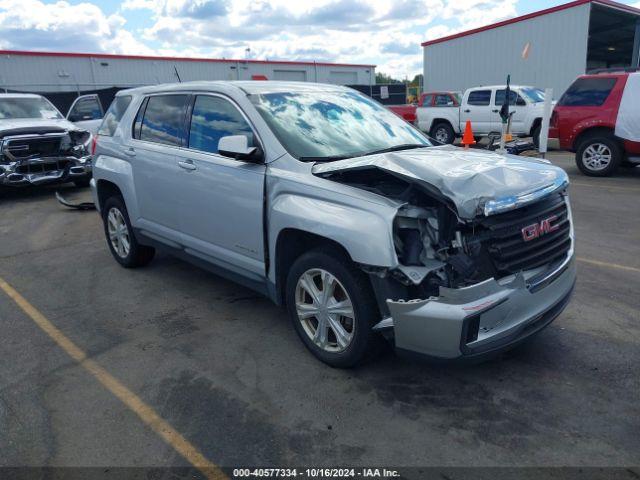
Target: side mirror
pixel 237 146
pixel 521 103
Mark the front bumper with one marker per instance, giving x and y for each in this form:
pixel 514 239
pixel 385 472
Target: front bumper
pixel 484 318
pixel 44 171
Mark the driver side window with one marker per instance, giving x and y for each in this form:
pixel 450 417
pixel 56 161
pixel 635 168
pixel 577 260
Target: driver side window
pixel 214 118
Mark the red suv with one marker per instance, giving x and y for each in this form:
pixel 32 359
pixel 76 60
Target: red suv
pixel 584 121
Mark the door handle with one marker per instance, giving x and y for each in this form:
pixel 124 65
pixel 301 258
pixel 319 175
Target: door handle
pixel 495 111
pixel 467 111
pixel 130 151
pixel 187 165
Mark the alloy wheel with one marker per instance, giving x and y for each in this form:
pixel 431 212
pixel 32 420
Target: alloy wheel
pixel 118 232
pixel 325 310
pixel 597 157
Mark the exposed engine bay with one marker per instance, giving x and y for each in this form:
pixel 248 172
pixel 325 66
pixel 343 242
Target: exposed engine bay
pixel 43 155
pixel 436 248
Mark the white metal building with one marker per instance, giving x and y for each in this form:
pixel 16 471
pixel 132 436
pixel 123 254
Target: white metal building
pixel 563 42
pixel 69 72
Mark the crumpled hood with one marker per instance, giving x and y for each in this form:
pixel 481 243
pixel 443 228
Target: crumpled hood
pixel 54 123
pixel 469 178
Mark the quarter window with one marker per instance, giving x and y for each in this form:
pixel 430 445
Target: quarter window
pixel 114 115
pixel 587 92
pixel 479 98
pixel 212 119
pixel 164 119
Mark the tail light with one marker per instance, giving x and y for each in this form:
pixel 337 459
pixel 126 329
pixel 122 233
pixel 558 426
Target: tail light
pixel 94 144
pixel 554 119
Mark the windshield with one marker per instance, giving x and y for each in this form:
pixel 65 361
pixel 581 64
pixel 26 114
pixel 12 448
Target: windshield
pixel 317 125
pixel 27 107
pixel 535 95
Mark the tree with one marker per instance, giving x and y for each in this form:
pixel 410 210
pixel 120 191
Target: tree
pixel 384 78
pixel 417 81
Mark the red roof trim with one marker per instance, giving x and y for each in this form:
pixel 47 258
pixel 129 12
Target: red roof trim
pixel 176 59
pixel 566 6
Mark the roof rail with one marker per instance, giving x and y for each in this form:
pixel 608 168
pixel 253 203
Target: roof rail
pixel 595 71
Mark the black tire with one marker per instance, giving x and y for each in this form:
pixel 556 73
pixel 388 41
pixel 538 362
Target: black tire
pixel 444 131
pixel 82 183
pixel 138 255
pixel 535 134
pixel 365 343
pixel 594 142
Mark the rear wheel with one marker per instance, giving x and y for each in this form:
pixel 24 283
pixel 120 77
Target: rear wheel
pixel 535 134
pixel 120 238
pixel 599 156
pixel 443 133
pixel 332 308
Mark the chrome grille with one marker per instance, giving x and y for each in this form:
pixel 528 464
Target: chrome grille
pixel 508 250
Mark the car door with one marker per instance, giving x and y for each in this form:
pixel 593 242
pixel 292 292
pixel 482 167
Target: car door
pixel 158 132
pixel 477 108
pixel 86 111
pixel 517 105
pixel 223 217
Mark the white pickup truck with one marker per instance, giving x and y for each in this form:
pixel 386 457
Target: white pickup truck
pixel 482 105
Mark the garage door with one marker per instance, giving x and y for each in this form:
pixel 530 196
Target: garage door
pixel 343 78
pixel 290 75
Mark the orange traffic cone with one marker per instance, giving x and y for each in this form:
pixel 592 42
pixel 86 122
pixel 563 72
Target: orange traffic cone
pixel 467 138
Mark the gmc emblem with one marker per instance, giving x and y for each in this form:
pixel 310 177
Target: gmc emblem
pixel 531 232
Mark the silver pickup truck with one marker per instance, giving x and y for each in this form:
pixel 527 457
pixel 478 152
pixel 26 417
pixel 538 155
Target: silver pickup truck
pixel 326 202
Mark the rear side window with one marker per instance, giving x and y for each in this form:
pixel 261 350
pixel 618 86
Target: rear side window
pixel 212 119
pixel 479 97
pixel 114 115
pixel 588 92
pixel 513 96
pixel 444 101
pixel 163 120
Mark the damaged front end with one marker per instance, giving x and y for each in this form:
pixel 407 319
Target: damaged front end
pixel 36 157
pixel 466 287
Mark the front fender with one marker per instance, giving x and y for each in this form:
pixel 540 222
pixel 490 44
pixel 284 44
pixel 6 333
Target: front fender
pixel 367 235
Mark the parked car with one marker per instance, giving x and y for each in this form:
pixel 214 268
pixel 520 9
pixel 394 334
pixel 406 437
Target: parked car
pixel 326 202
pixel 39 146
pixel 586 118
pixel 481 105
pixel 427 99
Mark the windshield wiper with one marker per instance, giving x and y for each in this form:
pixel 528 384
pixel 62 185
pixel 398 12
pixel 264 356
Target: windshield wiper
pixel 330 158
pixel 396 148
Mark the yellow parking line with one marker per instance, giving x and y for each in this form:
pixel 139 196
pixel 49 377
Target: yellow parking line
pixel 126 396
pixel 608 265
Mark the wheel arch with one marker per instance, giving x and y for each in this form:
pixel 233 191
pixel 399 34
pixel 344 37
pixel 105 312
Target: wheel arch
pixel 290 245
pixel 439 120
pixel 106 189
pixel 536 123
pixel 592 132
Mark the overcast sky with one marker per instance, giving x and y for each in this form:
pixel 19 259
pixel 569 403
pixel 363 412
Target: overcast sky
pixel 386 33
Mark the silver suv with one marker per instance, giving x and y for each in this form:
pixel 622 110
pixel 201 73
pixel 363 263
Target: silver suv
pixel 326 202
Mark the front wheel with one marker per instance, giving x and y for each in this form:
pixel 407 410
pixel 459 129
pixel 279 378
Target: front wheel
pixel 332 308
pixel 598 156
